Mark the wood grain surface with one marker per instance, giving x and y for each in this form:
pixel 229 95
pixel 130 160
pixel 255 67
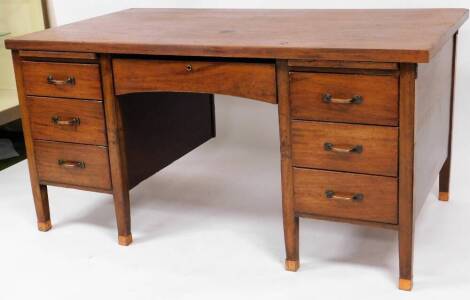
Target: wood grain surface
pixel 87 80
pixel 91 128
pixel 58 55
pixel 379 155
pixel 379 94
pixel 432 122
pixel 40 195
pixel 393 35
pixel 95 174
pixel 290 220
pixel 249 80
pixel 341 64
pixel 406 170
pixel 444 174
pixel 379 203
pixel 117 151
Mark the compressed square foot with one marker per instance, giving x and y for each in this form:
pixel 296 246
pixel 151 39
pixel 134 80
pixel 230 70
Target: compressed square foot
pixel 405 284
pixel 292 265
pixel 125 240
pixel 444 196
pixel 44 226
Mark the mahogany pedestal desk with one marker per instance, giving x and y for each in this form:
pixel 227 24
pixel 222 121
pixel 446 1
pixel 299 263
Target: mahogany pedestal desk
pixel 365 102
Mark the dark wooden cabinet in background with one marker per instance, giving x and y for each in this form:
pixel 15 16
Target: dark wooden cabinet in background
pixel 365 117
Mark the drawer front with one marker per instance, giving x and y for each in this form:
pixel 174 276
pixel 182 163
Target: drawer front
pixel 346 195
pixel 349 98
pixel 62 80
pixel 67 120
pixel 74 164
pixel 250 80
pixel 345 147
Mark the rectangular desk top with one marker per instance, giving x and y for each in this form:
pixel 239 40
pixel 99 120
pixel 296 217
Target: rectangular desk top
pixel 411 35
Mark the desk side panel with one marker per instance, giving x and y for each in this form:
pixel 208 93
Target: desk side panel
pixel 432 118
pixel 162 127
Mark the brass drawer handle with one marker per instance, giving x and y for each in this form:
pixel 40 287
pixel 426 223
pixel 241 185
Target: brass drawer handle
pixel 189 68
pixel 328 98
pixel 351 149
pixel 71 164
pixel 331 195
pixel 71 122
pixel 70 80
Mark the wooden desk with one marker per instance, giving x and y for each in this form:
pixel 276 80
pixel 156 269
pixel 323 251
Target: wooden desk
pixel 365 105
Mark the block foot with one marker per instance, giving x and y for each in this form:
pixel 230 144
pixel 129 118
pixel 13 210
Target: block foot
pixel 405 284
pixel 125 240
pixel 44 226
pixel 444 196
pixel 292 265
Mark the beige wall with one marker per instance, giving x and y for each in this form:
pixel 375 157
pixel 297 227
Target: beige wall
pixel 17 17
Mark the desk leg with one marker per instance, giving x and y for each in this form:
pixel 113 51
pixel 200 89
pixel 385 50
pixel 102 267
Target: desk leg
pixel 406 170
pixel 117 154
pixel 444 175
pixel 41 201
pixel 291 221
pixel 41 204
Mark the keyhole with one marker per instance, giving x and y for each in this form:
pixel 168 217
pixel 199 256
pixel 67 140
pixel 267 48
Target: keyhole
pixel 189 68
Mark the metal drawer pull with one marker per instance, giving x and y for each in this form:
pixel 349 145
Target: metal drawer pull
pixel 71 164
pixel 189 68
pixel 71 122
pixel 351 149
pixel 344 196
pixel 327 98
pixel 70 80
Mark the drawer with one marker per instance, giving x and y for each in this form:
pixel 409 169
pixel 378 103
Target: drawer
pixel 62 80
pixel 67 120
pixel 346 195
pixel 250 80
pixel 345 147
pixel 73 164
pixel 349 98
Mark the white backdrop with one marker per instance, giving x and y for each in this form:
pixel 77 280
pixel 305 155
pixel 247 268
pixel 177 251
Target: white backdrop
pixel 210 227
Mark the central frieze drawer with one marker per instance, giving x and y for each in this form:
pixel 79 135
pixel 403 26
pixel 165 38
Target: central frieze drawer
pixel 245 79
pixel 68 80
pixel 346 195
pixel 349 98
pixel 345 147
pixel 67 120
